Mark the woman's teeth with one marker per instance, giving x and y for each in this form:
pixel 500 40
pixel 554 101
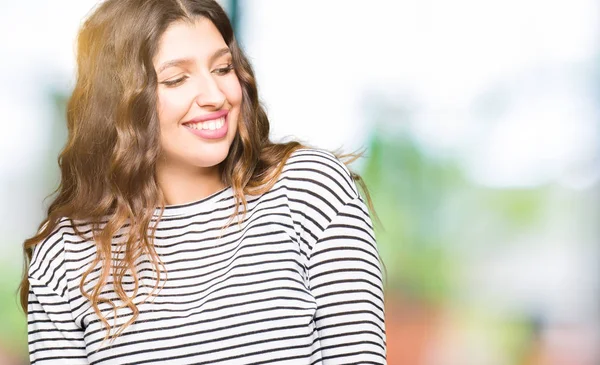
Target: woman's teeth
pixel 209 124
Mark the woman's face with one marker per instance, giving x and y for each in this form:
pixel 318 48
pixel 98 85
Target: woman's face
pixel 199 95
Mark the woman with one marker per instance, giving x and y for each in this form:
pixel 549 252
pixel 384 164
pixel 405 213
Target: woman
pixel 180 234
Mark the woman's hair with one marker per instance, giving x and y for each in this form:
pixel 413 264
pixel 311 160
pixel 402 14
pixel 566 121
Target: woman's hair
pixel 108 163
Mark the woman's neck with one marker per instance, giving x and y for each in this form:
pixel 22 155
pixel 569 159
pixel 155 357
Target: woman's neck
pixel 184 185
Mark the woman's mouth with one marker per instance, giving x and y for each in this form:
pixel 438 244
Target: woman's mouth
pixel 212 126
pixel 207 125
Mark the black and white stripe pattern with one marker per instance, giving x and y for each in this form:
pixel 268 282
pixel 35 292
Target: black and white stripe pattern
pixel 298 281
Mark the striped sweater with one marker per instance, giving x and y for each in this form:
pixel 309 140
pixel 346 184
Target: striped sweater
pixel 298 281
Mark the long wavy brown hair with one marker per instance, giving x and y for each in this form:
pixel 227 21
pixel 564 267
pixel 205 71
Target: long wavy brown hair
pixel 108 163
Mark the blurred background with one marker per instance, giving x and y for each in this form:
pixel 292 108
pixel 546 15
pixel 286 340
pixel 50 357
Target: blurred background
pixel 481 126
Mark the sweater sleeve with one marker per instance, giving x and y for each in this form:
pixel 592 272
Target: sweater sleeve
pixel 53 336
pixel 346 281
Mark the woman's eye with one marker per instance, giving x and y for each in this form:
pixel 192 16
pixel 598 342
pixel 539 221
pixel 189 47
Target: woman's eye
pixel 174 82
pixel 224 70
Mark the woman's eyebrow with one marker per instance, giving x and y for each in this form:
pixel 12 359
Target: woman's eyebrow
pixel 218 53
pixel 175 62
pixel 187 61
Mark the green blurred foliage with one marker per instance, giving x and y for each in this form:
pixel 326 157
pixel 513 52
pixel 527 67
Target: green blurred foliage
pixel 13 328
pixel 410 191
pixel 430 213
pixel 432 217
pixel 13 331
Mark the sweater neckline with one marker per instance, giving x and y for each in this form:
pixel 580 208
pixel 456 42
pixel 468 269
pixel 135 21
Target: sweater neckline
pixel 197 206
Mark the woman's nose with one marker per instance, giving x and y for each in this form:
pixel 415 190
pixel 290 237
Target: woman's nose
pixel 209 95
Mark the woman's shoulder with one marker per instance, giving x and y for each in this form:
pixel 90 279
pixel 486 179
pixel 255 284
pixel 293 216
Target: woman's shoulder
pixel 49 254
pixel 319 172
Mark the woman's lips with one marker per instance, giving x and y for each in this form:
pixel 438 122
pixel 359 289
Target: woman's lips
pixel 205 117
pixel 210 126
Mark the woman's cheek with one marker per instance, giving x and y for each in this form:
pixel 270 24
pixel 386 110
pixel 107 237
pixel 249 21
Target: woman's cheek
pixel 233 90
pixel 171 108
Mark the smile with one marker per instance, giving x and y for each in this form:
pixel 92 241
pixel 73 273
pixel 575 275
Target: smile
pixel 208 125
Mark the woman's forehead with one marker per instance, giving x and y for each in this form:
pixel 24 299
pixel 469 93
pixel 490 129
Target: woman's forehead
pixel 183 39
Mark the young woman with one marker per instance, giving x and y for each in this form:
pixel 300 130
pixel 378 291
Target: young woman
pixel 180 234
